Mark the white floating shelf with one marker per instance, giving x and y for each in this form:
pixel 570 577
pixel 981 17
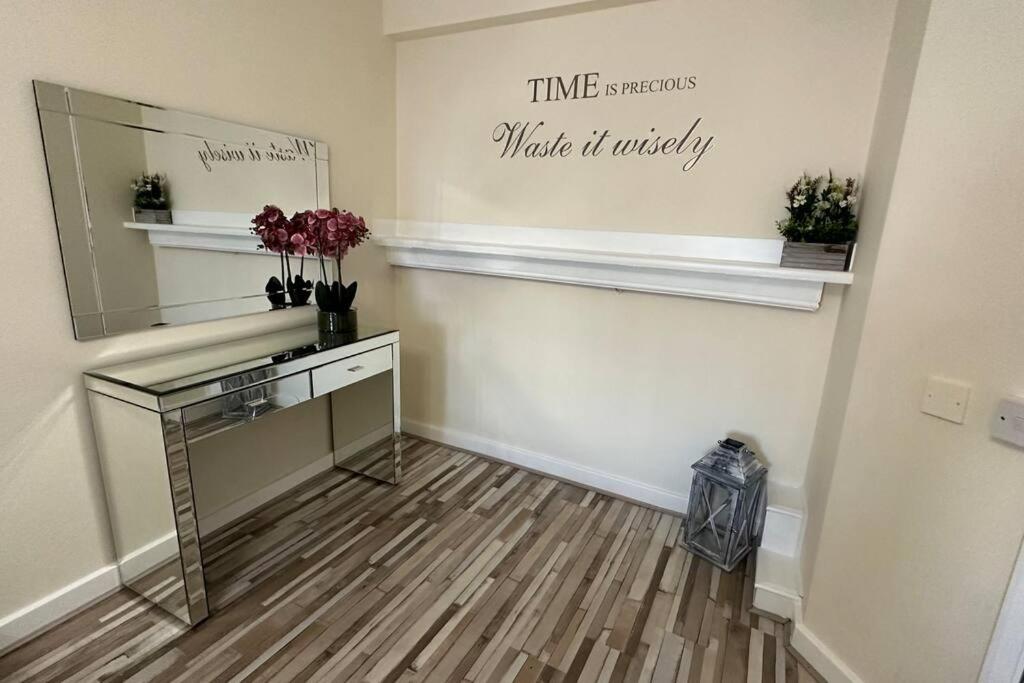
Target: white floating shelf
pixel 726 268
pixel 208 237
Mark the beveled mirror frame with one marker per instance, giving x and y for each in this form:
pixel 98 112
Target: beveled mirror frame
pixel 58 107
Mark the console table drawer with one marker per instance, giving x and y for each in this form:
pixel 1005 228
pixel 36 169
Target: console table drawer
pixel 350 370
pixel 242 407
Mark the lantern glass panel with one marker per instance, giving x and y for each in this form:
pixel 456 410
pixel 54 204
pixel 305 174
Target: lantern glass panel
pixel 712 525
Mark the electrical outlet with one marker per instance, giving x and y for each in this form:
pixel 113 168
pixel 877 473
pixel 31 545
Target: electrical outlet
pixel 1008 421
pixel 946 399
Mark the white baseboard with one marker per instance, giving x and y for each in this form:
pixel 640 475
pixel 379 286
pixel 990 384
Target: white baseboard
pixel 776 601
pixel 818 655
pixel 143 560
pixel 366 441
pixel 19 626
pixel 243 506
pixel 552 466
pixel 784 521
pixel 777 585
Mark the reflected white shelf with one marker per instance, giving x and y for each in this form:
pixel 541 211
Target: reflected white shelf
pixel 208 237
pixel 742 270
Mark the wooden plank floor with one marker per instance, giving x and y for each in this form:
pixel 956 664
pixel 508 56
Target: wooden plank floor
pixel 469 570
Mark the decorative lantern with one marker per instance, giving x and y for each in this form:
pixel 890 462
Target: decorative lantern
pixel 727 504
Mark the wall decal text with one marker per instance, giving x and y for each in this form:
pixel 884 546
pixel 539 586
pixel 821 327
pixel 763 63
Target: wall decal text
pixel 585 86
pixel 527 140
pixel 224 152
pixel 524 139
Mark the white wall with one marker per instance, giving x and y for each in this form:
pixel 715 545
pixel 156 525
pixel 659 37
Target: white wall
pixel 924 517
pixel 211 58
pixel 634 385
pixel 886 143
pixel 418 17
pixel 804 111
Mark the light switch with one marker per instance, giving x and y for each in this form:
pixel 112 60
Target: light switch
pixel 1008 422
pixel 946 399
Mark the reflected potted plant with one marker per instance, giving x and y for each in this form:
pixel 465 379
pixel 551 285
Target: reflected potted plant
pixel 328 234
pixel 822 223
pixel 152 202
pixel 284 237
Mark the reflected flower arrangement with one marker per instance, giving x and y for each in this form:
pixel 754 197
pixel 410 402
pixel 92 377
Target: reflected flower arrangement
pixel 327 234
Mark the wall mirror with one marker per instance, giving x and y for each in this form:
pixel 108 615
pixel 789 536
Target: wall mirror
pixel 138 255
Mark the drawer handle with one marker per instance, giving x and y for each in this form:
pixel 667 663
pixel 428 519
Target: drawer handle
pixel 257 402
pixel 355 368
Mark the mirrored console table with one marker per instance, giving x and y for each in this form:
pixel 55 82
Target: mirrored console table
pixel 148 413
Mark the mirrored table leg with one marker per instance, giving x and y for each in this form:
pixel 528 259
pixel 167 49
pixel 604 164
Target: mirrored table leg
pixel 149 498
pixel 185 516
pixel 365 436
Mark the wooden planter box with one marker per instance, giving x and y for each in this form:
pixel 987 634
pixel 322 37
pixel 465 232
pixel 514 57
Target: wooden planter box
pixel 159 216
pixel 817 256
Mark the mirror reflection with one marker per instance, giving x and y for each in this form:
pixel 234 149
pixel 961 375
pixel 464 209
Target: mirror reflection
pixel 138 491
pixel 154 208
